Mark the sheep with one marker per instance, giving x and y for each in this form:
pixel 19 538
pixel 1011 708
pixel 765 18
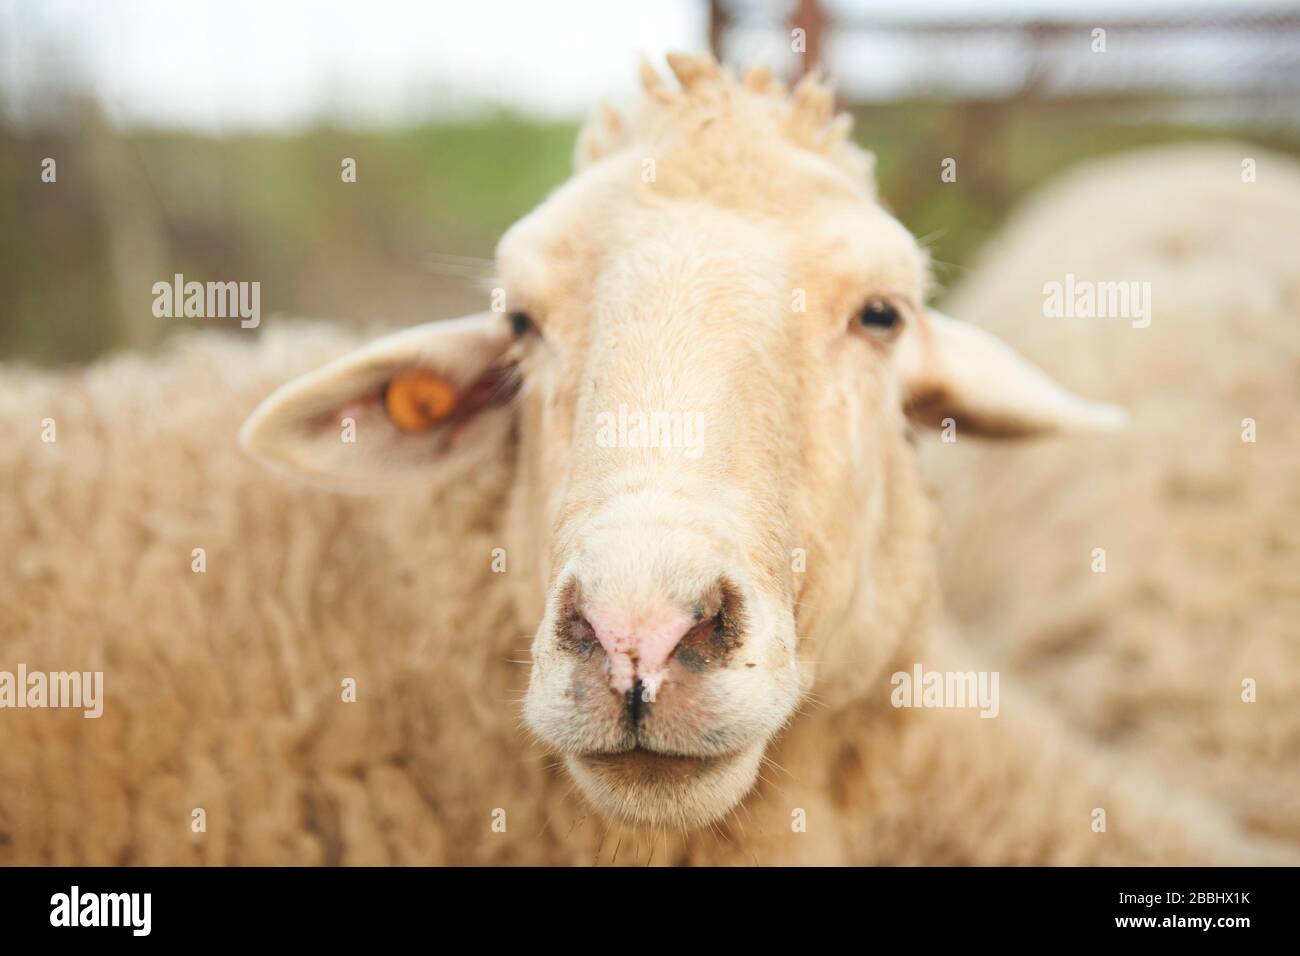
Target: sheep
pixel 1152 643
pixel 298 676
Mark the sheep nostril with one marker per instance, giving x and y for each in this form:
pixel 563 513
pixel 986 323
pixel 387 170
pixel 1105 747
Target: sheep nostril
pixel 576 634
pixel 703 643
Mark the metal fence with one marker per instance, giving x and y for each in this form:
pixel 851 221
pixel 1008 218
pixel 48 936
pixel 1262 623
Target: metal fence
pixel 1229 63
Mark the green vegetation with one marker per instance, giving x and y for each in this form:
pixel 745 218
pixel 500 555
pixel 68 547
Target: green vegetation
pixel 78 257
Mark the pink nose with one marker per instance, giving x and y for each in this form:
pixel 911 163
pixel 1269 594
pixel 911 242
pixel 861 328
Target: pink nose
pixel 638 645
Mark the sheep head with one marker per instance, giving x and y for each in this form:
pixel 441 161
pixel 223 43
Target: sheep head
pixel 713 342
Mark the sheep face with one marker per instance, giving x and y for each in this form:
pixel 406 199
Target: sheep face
pixel 712 339
pixel 701 405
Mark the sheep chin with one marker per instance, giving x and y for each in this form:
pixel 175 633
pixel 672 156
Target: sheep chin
pixel 680 793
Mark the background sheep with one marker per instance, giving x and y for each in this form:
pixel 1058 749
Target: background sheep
pixel 1201 529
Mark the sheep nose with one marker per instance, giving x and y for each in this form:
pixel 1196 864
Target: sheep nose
pixel 640 638
pixel 638 644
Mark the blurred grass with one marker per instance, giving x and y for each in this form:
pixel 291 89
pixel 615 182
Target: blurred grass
pixel 78 257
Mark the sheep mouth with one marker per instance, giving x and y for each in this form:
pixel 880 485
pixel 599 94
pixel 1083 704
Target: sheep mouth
pixel 644 787
pixel 643 762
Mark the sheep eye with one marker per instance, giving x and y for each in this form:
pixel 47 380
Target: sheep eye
pixel 521 323
pixel 879 315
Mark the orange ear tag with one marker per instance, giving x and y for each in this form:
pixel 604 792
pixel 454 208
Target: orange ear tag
pixel 417 400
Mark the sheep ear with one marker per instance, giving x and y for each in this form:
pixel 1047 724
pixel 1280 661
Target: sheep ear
pixel 953 370
pixel 415 404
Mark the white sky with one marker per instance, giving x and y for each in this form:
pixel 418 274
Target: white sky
pixel 225 64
